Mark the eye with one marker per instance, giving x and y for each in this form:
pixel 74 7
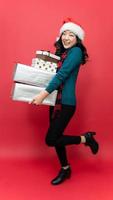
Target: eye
pixel 64 33
pixel 72 35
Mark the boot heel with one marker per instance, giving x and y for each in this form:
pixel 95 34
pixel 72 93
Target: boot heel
pixel 91 142
pixel 92 133
pixel 69 176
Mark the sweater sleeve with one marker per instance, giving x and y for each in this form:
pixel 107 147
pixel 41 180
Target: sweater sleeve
pixel 73 60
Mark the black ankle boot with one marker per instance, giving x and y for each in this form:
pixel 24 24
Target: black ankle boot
pixel 63 174
pixel 91 142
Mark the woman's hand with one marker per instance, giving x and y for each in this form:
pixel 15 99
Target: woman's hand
pixel 39 98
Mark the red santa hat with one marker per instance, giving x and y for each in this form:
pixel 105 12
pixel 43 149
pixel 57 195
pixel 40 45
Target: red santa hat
pixel 70 25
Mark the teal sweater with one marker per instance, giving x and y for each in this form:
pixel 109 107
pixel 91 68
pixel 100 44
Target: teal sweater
pixel 67 76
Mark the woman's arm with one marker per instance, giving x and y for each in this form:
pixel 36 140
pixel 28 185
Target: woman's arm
pixel 73 60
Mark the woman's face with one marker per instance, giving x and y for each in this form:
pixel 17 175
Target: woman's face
pixel 68 39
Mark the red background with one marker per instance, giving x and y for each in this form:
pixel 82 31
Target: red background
pixel 27 26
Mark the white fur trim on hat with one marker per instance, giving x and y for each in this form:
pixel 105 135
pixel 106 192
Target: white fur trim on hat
pixel 74 28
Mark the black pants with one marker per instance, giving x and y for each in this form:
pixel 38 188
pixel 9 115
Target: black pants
pixel 55 136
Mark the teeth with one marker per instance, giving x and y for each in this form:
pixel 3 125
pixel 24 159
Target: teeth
pixel 66 43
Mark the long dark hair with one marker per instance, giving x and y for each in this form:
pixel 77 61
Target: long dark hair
pixel 60 49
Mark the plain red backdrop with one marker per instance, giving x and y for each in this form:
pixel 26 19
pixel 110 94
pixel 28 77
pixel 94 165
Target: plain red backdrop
pixel 27 26
pixel 26 164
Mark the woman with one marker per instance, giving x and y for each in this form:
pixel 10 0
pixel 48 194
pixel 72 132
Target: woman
pixel 73 53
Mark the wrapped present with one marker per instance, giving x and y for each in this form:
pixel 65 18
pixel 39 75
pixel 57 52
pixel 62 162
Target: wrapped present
pixel 26 93
pixel 47 56
pixel 44 65
pixel 32 76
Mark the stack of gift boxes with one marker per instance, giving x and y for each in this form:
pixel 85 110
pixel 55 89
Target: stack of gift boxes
pixel 30 80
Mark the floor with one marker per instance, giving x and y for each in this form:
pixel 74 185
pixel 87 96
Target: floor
pixel 30 180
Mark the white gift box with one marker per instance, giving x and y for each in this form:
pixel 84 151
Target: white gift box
pixel 26 93
pixel 32 76
pixel 47 56
pixel 44 65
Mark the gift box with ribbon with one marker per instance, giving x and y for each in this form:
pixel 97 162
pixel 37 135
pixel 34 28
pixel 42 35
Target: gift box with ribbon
pixel 47 56
pixel 44 65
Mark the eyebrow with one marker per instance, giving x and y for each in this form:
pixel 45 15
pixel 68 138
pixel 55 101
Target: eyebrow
pixel 69 32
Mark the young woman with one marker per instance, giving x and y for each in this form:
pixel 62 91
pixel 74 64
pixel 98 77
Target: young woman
pixel 73 54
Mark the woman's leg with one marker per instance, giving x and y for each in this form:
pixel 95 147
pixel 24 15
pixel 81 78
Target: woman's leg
pixel 56 138
pixel 62 155
pixel 55 132
pixel 60 150
pixel 55 135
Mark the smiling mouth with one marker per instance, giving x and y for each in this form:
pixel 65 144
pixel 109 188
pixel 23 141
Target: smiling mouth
pixel 66 43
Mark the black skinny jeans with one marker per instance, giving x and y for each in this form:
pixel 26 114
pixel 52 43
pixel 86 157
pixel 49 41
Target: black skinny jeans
pixel 55 136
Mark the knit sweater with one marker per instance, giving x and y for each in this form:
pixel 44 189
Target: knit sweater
pixel 67 76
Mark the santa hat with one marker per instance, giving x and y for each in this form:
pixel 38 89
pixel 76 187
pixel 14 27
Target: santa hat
pixel 73 27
